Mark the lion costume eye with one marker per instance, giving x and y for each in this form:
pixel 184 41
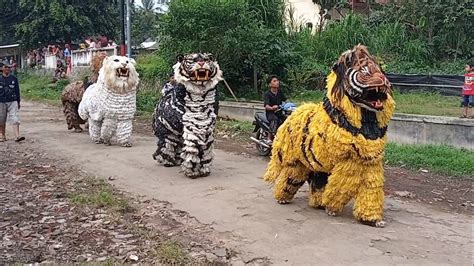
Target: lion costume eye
pixel 116 60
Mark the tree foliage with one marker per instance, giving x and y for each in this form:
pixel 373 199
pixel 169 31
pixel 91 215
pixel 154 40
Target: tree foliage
pixel 44 21
pixel 235 31
pixel 444 27
pixel 145 21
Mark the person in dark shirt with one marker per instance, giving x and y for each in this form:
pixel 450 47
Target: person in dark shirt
pixel 9 103
pixel 272 99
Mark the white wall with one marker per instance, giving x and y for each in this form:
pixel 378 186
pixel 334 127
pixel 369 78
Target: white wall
pixel 302 12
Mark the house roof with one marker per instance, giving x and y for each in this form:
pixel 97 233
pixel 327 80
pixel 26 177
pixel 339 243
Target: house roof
pixel 9 46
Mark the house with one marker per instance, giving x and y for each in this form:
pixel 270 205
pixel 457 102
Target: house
pixel 305 14
pixel 302 14
pixel 13 50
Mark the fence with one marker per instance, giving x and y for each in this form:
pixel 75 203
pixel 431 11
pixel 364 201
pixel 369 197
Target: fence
pixel 50 62
pixel 444 84
pixel 82 58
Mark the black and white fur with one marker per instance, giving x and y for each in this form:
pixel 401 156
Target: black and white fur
pixel 168 124
pixel 189 141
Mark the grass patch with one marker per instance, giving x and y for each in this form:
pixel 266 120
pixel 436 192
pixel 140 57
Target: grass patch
pixel 427 103
pixel 146 101
pixel 98 193
pixel 40 88
pixel 234 126
pixel 170 252
pixel 437 158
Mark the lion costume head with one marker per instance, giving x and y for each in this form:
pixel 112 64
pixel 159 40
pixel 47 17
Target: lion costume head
pixel 199 72
pixel 357 85
pixel 119 74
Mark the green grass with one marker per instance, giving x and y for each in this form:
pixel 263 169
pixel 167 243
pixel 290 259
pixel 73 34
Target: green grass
pixel 422 103
pixel 171 252
pixel 427 103
pixel 41 88
pixel 436 158
pixel 146 101
pixel 98 193
pixel 234 126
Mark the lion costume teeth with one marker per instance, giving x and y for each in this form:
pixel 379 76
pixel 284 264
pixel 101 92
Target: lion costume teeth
pixel 338 145
pixel 185 116
pixel 110 104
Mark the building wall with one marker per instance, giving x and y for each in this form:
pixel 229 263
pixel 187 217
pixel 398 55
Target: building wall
pixel 301 12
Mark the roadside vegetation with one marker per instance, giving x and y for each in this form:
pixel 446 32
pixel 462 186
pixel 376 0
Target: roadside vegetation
pixel 441 159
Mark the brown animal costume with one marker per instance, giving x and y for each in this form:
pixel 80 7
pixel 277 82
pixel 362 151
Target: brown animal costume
pixel 338 145
pixel 72 94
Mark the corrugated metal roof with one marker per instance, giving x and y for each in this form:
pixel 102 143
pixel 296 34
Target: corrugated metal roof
pixel 9 46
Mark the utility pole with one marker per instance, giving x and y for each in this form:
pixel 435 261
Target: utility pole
pixel 122 35
pixel 129 26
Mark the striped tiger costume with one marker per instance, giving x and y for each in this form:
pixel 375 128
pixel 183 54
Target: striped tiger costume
pixel 168 124
pixel 338 145
pixel 72 94
pixel 185 117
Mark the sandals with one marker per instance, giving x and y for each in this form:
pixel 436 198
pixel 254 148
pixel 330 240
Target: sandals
pixel 19 139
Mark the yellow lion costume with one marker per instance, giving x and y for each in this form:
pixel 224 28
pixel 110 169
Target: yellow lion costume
pixel 338 145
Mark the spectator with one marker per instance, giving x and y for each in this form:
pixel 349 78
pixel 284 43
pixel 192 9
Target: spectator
pixel 111 43
pixel 60 54
pixel 67 57
pixel 273 98
pixel 103 41
pixel 468 91
pixel 9 103
pixel 60 71
pixel 92 44
pixel 13 66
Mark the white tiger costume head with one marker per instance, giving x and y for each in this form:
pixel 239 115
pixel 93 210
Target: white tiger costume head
pixel 119 74
pixel 198 72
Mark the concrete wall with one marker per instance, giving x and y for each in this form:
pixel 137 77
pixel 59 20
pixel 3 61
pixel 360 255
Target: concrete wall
pixel 404 128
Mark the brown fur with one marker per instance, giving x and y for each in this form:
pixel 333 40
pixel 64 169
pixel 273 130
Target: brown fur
pixel 71 96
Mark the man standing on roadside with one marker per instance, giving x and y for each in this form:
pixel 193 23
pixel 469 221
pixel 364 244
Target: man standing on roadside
pixel 9 103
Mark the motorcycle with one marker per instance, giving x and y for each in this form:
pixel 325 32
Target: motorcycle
pixel 262 128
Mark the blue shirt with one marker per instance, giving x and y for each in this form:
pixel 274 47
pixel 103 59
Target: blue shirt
pixel 9 89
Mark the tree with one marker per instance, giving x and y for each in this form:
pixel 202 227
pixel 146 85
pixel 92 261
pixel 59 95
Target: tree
pixel 144 25
pixel 148 5
pixel 241 41
pixel 445 26
pixel 44 21
pixel 9 18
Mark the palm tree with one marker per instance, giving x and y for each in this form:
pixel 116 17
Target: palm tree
pixel 148 5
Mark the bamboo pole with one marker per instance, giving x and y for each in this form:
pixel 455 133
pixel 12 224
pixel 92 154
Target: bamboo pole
pixel 231 91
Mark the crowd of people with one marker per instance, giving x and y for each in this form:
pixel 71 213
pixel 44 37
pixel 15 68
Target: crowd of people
pixel 37 58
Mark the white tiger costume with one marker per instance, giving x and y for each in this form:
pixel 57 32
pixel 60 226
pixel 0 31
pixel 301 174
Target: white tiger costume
pixel 110 104
pixel 185 117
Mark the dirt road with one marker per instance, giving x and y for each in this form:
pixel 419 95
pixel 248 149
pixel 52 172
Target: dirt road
pixel 239 205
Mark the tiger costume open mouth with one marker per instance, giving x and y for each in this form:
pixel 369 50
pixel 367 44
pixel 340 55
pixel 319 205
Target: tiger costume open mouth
pixel 361 79
pixel 368 89
pixel 122 72
pixel 201 74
